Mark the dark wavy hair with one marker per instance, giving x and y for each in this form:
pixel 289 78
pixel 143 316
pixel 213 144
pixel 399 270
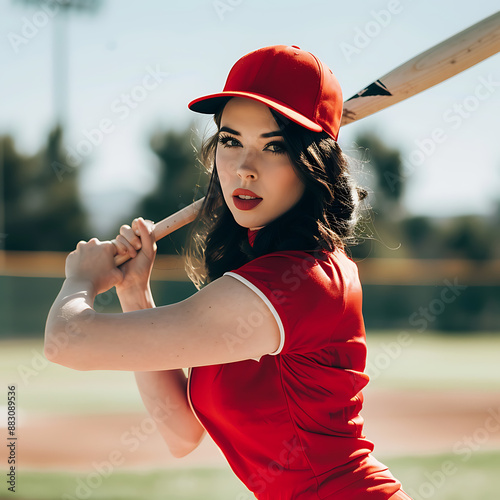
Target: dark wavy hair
pixel 323 219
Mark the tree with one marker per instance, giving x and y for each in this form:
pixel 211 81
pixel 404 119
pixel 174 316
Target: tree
pixel 385 181
pixel 469 237
pixel 42 205
pixel 387 167
pixel 177 184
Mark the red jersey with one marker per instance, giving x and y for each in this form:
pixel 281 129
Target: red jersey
pixel 289 423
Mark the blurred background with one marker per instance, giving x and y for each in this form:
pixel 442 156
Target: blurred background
pixel 95 130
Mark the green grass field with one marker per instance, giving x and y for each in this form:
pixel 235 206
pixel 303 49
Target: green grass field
pixel 477 479
pixel 430 362
pixel 434 361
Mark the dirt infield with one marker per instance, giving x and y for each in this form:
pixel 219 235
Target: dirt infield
pixel 399 423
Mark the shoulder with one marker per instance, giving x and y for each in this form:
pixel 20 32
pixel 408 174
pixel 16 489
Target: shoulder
pixel 290 269
pixel 308 293
pixel 320 256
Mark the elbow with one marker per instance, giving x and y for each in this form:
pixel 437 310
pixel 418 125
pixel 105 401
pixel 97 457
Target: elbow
pixel 57 355
pixel 184 447
pixel 62 345
pixel 54 345
pixel 50 351
pixel 180 452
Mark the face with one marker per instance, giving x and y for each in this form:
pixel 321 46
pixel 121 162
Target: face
pixel 257 178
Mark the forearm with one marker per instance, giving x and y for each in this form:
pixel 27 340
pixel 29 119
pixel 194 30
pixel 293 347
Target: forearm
pixel 164 392
pixel 133 300
pixel 164 396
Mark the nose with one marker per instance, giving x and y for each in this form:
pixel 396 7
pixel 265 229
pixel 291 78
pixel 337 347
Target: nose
pixel 246 168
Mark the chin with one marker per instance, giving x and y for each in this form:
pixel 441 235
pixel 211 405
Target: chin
pixel 250 225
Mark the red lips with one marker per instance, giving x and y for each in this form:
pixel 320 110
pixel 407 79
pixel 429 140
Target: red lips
pixel 242 204
pixel 245 192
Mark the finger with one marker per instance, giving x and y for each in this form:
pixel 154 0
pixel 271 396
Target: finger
pixel 128 233
pixel 120 247
pixel 146 230
pixel 111 245
pixel 148 224
pixel 115 243
pixel 124 245
pixel 135 225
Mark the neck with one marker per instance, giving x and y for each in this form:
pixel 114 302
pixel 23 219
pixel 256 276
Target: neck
pixel 252 233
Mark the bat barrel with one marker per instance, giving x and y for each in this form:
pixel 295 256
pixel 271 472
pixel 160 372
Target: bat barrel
pixel 433 66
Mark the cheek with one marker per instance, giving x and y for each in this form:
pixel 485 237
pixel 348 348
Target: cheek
pixel 222 166
pixel 290 186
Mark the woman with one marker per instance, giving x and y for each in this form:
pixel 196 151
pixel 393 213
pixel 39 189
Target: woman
pixel 276 337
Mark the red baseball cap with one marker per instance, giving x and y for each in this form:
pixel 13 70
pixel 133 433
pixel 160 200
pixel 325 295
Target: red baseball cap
pixel 287 79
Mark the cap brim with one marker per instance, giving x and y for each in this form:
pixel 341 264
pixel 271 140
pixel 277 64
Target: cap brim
pixel 210 104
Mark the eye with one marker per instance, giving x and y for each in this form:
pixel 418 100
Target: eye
pixel 228 141
pixel 276 147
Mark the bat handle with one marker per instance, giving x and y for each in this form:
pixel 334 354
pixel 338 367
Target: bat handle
pixel 169 225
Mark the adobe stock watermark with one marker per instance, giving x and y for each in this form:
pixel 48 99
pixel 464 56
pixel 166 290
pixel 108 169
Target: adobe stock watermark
pixel 436 307
pixel 31 27
pixel 463 448
pixel 132 439
pixel 454 117
pixel 292 278
pixel 223 7
pixel 38 362
pixel 371 29
pixel 121 107
pixel 245 327
pixel 421 318
pixel 389 352
pixel 264 476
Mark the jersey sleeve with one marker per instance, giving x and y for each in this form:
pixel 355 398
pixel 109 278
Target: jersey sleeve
pixel 305 294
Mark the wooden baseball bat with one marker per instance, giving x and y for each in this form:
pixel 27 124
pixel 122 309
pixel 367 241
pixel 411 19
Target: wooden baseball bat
pixel 170 224
pixel 433 66
pixel 429 68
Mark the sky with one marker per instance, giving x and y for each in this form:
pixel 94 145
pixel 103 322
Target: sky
pixel 132 67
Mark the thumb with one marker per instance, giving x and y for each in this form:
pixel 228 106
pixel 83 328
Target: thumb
pixel 146 233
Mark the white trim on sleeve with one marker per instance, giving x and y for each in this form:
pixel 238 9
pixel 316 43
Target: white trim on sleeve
pixel 188 390
pixel 268 304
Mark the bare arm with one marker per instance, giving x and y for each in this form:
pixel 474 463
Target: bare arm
pixel 164 396
pixel 163 392
pixel 222 323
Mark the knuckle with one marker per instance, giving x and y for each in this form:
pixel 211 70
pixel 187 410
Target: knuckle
pixel 125 242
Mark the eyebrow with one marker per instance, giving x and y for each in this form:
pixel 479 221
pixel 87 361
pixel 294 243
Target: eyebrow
pixel 274 133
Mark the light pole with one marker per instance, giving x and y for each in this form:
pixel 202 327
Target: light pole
pixel 59 10
pixel 2 208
